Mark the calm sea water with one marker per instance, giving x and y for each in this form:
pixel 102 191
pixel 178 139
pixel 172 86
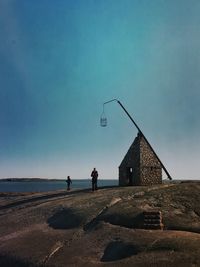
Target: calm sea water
pixel 50 186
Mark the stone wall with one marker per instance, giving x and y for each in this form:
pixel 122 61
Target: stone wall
pixel 145 167
pixel 128 162
pixel 150 167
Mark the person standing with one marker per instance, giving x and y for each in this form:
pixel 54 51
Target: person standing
pixel 69 182
pixel 94 176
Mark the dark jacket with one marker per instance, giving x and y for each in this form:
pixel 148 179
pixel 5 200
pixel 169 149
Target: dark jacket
pixel 94 175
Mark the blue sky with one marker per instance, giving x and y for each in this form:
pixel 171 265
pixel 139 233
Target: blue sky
pixel 60 60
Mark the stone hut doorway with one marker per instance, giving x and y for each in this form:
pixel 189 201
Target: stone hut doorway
pixel 129 172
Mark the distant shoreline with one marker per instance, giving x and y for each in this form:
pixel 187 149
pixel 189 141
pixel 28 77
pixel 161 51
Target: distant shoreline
pixel 30 180
pixel 42 179
pixel 38 180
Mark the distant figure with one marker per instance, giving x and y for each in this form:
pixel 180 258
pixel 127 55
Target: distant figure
pixel 94 176
pixel 69 182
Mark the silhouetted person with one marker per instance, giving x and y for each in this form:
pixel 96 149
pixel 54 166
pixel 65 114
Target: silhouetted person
pixel 94 176
pixel 69 182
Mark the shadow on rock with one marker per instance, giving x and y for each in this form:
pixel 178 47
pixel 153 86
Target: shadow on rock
pixel 126 220
pixel 118 250
pixel 10 261
pixel 65 219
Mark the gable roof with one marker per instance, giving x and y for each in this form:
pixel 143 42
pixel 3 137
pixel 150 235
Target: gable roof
pixel 131 153
pixel 140 153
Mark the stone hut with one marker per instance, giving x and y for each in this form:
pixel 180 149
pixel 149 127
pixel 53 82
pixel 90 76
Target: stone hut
pixel 140 166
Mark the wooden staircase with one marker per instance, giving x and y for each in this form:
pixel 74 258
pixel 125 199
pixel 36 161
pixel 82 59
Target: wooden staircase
pixel 152 220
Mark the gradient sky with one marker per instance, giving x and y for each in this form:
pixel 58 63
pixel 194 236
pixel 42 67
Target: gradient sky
pixel 60 60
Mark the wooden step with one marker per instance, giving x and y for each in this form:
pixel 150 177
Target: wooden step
pixel 154 226
pixel 152 221
pixel 152 214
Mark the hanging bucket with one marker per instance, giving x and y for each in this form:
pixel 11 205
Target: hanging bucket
pixel 103 121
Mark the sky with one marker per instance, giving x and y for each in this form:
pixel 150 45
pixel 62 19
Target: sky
pixel 60 60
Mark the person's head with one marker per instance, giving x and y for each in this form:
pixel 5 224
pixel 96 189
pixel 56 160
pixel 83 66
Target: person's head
pixel 68 177
pixel 94 169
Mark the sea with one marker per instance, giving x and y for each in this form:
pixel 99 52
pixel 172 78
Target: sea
pixel 44 186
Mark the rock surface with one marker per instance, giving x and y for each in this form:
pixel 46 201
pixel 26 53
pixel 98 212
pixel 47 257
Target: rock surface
pixel 102 228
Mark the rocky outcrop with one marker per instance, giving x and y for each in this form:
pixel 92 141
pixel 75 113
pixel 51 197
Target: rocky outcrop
pixel 102 228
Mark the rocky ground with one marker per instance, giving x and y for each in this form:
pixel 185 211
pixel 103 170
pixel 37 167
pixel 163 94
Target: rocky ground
pixel 102 228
